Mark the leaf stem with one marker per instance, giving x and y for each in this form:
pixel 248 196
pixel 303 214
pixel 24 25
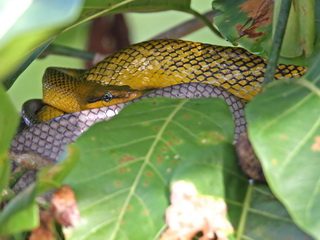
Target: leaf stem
pixel 187 27
pixel 308 84
pixel 313 74
pixel 69 52
pixel 277 40
pixel 206 22
pixel 246 206
pixel 9 81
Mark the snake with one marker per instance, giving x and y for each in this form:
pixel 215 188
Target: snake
pixel 75 99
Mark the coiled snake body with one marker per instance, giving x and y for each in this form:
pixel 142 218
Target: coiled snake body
pixel 172 68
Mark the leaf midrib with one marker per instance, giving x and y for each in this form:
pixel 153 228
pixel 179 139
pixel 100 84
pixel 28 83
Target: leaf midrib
pixel 146 162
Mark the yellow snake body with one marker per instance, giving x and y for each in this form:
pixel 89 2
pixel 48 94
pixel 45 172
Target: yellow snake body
pixel 163 63
pixel 127 75
pixel 156 64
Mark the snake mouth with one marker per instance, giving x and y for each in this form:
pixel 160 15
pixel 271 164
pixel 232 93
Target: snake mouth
pixel 112 95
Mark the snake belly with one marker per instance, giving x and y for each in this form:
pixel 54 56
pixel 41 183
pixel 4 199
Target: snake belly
pixel 44 143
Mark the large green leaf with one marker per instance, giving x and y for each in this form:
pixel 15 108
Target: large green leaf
pixel 22 212
pixel 9 80
pixel 8 125
pixel 251 24
pixel 235 20
pixel 127 164
pixel 284 127
pixel 26 27
pixel 300 31
pixel 264 217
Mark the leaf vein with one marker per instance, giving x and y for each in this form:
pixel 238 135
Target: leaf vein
pixel 148 155
pixel 92 204
pixel 108 171
pixel 299 145
pixel 285 113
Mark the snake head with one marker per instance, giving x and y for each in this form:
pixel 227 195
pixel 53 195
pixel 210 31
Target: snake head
pixel 109 95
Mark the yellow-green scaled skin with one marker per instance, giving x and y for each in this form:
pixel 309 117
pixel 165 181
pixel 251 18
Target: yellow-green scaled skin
pixel 155 64
pixel 162 63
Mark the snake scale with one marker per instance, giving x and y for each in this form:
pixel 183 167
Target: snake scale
pixel 75 99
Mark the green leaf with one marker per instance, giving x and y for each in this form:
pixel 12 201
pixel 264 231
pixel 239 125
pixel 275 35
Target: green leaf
pixel 284 127
pixel 8 122
pixel 122 182
pixel 126 165
pixel 300 32
pixel 247 22
pixel 250 23
pixel 8 125
pixel 26 27
pixel 52 177
pixel 8 82
pixel 264 217
pixel 22 213
pixel 277 39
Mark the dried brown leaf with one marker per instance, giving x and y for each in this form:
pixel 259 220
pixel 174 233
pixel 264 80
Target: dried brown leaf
pixel 46 229
pixel 64 207
pixel 260 13
pixel 316 145
pixel 191 213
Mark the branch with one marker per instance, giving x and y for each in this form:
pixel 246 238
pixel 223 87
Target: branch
pixel 277 40
pixel 56 49
pixel 190 26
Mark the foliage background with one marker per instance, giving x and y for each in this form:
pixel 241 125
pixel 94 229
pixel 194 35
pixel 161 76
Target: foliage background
pixel 269 211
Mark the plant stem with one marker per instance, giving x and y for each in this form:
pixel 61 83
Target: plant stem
pixel 245 209
pixel 206 22
pixel 68 51
pixel 313 74
pixel 310 85
pixel 187 27
pixel 277 40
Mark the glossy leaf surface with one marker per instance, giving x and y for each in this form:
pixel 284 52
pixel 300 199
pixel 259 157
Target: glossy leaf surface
pixel 286 134
pixel 127 164
pixel 8 124
pixel 22 212
pixel 251 23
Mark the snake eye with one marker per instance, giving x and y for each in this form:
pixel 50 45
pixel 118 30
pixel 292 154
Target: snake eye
pixel 107 97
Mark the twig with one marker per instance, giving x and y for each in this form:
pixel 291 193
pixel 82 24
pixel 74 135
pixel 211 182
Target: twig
pixel 277 40
pixel 189 26
pixel 56 49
